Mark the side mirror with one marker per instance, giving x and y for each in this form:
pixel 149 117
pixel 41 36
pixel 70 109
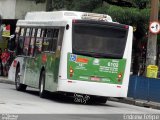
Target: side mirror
pixel 11 42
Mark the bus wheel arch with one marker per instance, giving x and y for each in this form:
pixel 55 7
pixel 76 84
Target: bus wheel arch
pixel 42 92
pixel 19 86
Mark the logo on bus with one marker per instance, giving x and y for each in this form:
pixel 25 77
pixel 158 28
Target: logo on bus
pixel 96 62
pixel 44 58
pixel 73 57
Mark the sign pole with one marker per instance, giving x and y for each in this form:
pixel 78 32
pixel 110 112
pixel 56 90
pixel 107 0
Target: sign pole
pixel 0 27
pixel 152 35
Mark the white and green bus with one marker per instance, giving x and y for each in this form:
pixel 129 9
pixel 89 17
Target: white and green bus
pixel 72 52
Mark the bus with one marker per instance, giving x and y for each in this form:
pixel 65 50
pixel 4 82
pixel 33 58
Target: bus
pixel 75 53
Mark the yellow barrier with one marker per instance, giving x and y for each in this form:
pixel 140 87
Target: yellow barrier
pixel 152 71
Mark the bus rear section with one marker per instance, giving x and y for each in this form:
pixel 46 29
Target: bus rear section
pixel 99 62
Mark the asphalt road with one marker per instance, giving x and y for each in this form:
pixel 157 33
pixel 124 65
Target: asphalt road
pixel 15 102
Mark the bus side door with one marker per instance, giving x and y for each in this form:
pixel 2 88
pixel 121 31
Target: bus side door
pixel 33 64
pixel 48 57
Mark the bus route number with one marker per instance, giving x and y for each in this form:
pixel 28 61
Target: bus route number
pixel 111 64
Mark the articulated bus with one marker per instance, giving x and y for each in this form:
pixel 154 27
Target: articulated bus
pixel 72 52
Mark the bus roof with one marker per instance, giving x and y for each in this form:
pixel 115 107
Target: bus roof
pixel 59 18
pixel 65 15
pixel 33 23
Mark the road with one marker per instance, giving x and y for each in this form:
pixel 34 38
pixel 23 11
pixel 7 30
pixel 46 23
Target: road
pixel 15 102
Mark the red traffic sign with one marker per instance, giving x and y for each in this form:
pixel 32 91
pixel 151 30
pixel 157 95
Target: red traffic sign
pixel 154 27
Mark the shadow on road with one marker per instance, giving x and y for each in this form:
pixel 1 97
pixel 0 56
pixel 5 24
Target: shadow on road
pixel 62 98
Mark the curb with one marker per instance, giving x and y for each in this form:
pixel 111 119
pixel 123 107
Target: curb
pixel 153 105
pixel 5 80
pixel 137 102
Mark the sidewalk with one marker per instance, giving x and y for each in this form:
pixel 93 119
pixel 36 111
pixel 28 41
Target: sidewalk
pixel 5 80
pixel 137 102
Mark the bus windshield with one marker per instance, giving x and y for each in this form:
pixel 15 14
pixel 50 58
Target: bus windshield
pixel 97 40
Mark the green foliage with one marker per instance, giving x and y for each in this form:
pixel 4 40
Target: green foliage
pixel 140 2
pixel 68 4
pixel 137 15
pixel 120 14
pixel 57 4
pixel 86 5
pixel 39 1
pixel 138 18
pixel 78 5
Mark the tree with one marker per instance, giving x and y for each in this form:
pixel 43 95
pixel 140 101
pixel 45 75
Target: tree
pixel 39 1
pixel 0 27
pixel 141 4
pixel 86 5
pixel 78 5
pixel 89 5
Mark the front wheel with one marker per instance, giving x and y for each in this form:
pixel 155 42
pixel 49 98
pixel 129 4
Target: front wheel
pixel 42 92
pixel 19 86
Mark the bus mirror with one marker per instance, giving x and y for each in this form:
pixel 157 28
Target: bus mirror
pixel 11 42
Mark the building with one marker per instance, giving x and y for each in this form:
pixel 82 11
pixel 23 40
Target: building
pixel 11 11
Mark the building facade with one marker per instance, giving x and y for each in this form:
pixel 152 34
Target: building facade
pixel 10 12
pixel 17 9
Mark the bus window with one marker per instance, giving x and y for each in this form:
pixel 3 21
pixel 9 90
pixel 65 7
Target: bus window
pixel 27 41
pixel 48 38
pixel 17 34
pixel 32 42
pixel 55 39
pixel 60 37
pixel 111 40
pixel 11 42
pixel 20 42
pixel 39 40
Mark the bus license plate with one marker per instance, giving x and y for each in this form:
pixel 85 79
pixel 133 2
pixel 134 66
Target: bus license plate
pixel 95 79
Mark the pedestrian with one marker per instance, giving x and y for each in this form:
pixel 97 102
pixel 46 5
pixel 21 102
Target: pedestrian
pixel 5 57
pixel 1 67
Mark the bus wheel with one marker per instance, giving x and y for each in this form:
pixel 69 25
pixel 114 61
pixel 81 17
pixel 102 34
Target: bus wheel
pixel 42 92
pixel 102 100
pixel 95 99
pixel 19 86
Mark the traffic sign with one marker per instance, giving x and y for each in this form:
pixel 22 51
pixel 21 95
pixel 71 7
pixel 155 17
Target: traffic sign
pixel 154 27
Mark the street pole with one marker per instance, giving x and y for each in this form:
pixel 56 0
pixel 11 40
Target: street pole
pixel 152 38
pixel 0 28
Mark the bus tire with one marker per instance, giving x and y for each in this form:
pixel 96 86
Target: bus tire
pixel 102 100
pixel 19 86
pixel 95 99
pixel 42 92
